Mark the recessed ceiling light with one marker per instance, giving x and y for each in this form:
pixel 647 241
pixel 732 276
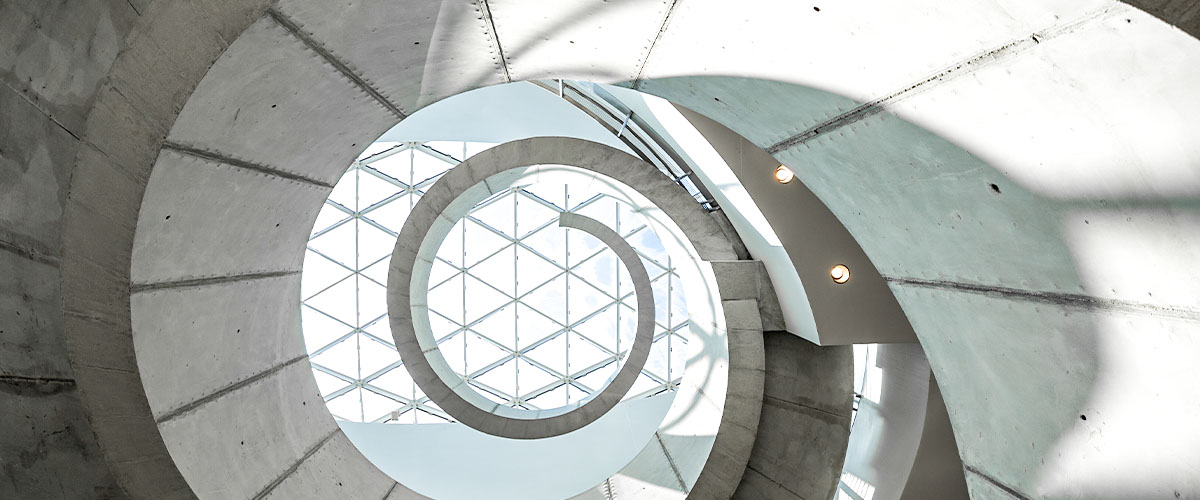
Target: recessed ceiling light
pixel 784 175
pixel 840 274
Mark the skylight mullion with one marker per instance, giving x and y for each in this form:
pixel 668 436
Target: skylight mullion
pixel 493 390
pixel 330 345
pixel 323 232
pixel 336 283
pixel 333 373
pixel 542 390
pixel 404 186
pixel 507 350
pixel 544 368
pixel 384 154
pixel 334 395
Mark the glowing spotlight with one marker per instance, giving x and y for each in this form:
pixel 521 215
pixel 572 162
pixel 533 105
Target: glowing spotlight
pixel 840 274
pixel 784 175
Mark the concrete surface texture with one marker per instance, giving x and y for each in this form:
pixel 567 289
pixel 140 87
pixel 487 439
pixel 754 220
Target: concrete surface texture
pixel 1021 173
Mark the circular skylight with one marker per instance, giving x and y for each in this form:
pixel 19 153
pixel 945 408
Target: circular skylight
pixel 532 315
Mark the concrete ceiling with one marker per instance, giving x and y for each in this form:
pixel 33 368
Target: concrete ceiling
pixel 1024 175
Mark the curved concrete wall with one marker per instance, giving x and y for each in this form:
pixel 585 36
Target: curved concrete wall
pixel 1029 297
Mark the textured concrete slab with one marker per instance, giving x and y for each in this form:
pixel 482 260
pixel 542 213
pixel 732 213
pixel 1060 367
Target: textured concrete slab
pixel 193 342
pixel 202 219
pixel 236 445
pixel 251 103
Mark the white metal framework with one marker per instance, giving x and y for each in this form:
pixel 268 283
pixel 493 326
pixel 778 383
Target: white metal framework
pixel 532 315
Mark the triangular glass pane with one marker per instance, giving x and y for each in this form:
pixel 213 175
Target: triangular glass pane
pixel 553 192
pixel 382 330
pixel 377 271
pixel 343 191
pixel 661 289
pixel 393 214
pixel 500 326
pixel 396 381
pixel 650 247
pixel 338 244
pixel 481 353
pixel 601 271
pixel 427 166
pixel 328 216
pixel 498 213
pixel 551 354
pixel 532 214
pixel 581 246
pixel 480 243
pixel 531 378
pixel 377 406
pixel 533 270
pixel 372 301
pixel 395 165
pixel 338 301
pixel 581 354
pixel 602 328
pixel 657 363
pixel 580 194
pixel 481 299
pixel 550 299
pixel 440 271
pixel 453 149
pixel 642 386
pixel 451 249
pixel 584 299
pixel 319 329
pixel 553 398
pixel 373 244
pixel 319 273
pixel 550 242
pixel 328 384
pixel 679 312
pixel 341 358
pixel 499 270
pixel 502 378
pixel 372 189
pixel 348 406
pixel 532 326
pixel 442 326
pixel 598 379
pixel 374 356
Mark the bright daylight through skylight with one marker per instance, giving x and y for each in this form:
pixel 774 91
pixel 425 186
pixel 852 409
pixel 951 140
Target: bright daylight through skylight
pixel 532 315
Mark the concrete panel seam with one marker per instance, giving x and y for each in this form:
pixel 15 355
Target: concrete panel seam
pixel 22 380
pixel 961 68
pixel 42 110
pixel 214 157
pixel 671 461
pixel 390 490
pixel 206 281
pixel 28 249
pixel 231 388
pixel 791 405
pixel 294 467
pixel 662 28
pixel 329 57
pixel 776 483
pixel 1078 301
pixel 490 25
pixel 997 483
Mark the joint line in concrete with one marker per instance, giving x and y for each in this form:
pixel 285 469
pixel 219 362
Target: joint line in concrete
pixel 291 27
pixel 242 164
pixel 961 68
pixel 390 490
pixel 44 111
pixel 1078 301
pixel 996 482
pixel 27 250
pixel 671 461
pixel 209 281
pixel 23 380
pixel 229 389
pixel 776 483
pixel 291 470
pixel 791 405
pixel 490 24
pixel 662 28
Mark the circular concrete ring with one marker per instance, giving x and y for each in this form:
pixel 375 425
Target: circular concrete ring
pixel 407 289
